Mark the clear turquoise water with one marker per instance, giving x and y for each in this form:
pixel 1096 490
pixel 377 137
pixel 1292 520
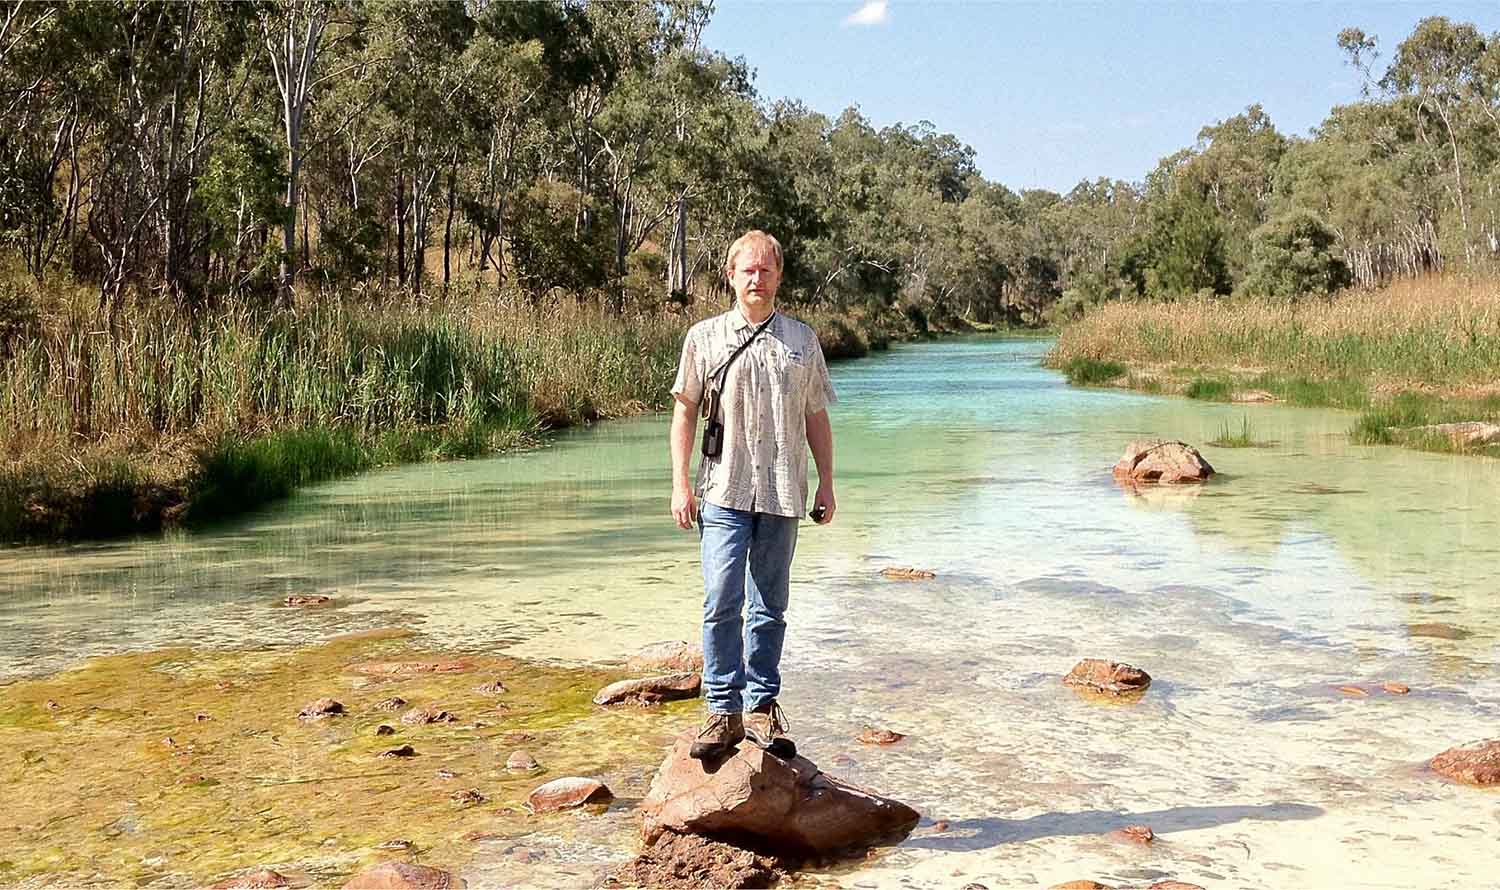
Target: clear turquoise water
pixel 1307 564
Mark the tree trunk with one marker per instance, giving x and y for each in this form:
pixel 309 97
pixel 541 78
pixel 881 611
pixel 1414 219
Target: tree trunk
pixel 401 228
pixel 677 260
pixel 448 224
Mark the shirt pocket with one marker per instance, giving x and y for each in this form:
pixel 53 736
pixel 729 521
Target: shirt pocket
pixel 788 368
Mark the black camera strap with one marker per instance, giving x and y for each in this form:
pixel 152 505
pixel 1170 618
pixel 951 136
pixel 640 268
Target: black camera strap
pixel 711 404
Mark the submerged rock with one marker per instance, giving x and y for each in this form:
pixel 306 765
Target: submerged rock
pixel 521 761
pixel 423 716
pixel 689 861
pixel 907 573
pixel 394 703
pixel 1476 764
pixel 1111 678
pixel 667 687
pixel 1395 688
pixel 403 751
pixel 467 798
pixel 494 687
pixel 873 736
pixel 408 668
pixel 312 599
pixel 1080 885
pixel 404 876
pixel 669 655
pixel 567 793
pixel 787 807
pixel 1135 834
pixel 323 707
pixel 253 880
pixel 1160 460
pixel 1173 885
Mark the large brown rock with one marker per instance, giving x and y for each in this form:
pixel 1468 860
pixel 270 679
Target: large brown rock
pixel 689 861
pixel 669 655
pixel 1102 677
pixel 567 793
pixel 404 876
pixel 648 690
pixel 1476 764
pixel 786 807
pixel 1160 460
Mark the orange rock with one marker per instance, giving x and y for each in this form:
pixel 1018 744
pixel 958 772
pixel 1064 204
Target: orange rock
pixel 872 736
pixel 306 600
pixel 1476 764
pixel 669 687
pixel 1396 688
pixel 1352 690
pixel 323 707
pixel 1135 834
pixel 1158 460
pixel 670 655
pixel 567 793
pixel 1081 885
pixel 1107 677
pixel 404 876
pixel 907 573
pixel 1174 885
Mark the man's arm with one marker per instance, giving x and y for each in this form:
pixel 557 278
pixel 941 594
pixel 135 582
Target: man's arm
pixel 684 426
pixel 820 440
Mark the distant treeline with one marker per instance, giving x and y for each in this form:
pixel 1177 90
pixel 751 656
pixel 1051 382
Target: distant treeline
pixel 223 153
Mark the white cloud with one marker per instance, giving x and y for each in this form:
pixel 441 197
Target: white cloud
pixel 874 12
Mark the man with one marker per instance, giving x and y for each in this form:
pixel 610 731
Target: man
pixel 773 404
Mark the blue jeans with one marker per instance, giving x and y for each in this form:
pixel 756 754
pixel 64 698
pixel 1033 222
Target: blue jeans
pixel 747 557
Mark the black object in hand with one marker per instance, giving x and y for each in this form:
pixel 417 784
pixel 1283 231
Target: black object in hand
pixel 819 512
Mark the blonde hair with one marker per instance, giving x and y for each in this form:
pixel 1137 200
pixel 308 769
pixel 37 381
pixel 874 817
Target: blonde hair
pixel 754 237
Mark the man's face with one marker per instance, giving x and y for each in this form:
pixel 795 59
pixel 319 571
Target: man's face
pixel 754 278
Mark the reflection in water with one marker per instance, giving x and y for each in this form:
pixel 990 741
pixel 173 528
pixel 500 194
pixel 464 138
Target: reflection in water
pixel 1303 567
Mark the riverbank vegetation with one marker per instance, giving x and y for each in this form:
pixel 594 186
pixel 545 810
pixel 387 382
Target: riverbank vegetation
pixel 260 245
pixel 1412 354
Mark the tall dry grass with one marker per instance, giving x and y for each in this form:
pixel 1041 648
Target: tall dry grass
pixel 1441 332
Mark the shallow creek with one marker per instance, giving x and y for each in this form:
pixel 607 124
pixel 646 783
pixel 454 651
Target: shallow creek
pixel 1307 565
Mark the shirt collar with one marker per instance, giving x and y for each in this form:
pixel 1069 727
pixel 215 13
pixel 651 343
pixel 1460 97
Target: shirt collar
pixel 738 321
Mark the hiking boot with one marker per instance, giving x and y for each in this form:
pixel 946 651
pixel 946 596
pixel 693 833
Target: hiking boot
pixel 719 735
pixel 767 726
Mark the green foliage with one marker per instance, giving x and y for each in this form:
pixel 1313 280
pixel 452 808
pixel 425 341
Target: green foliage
pixel 1086 371
pixel 237 476
pixel 1182 253
pixel 1295 254
pixel 1229 437
pixel 546 251
pixel 1209 389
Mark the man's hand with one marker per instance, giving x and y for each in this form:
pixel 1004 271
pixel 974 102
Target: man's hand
pixel 824 499
pixel 684 508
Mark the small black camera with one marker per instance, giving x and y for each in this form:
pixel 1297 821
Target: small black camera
pixel 818 513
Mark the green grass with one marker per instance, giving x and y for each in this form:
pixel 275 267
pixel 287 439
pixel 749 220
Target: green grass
pixel 1086 371
pixel 1244 437
pixel 1209 390
pixel 1400 420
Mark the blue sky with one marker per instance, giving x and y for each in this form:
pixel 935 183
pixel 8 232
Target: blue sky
pixel 1049 94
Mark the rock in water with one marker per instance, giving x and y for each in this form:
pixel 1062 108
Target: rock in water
pixel 907 573
pixel 1107 678
pixel 260 879
pixel 1476 764
pixel 404 876
pixel 786 807
pixel 668 687
pixel 1159 460
pixel 669 655
pixel 566 793
pixel 688 862
pixel 323 707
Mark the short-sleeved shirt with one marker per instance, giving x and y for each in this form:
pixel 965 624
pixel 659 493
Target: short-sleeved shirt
pixel 768 394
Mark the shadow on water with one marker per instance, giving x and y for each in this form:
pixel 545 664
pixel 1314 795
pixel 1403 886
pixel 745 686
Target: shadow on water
pixel 979 834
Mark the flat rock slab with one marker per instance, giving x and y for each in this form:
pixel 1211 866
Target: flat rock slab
pixel 1111 678
pixel 689 861
pixel 1476 764
pixel 668 687
pixel 786 807
pixel 404 876
pixel 669 655
pixel 410 668
pixel 1162 460
pixel 567 793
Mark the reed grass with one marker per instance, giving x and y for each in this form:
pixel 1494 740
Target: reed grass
pixel 1415 353
pixel 1089 372
pixel 1244 437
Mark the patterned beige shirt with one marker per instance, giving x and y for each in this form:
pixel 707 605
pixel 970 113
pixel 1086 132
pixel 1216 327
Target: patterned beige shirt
pixel 769 392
